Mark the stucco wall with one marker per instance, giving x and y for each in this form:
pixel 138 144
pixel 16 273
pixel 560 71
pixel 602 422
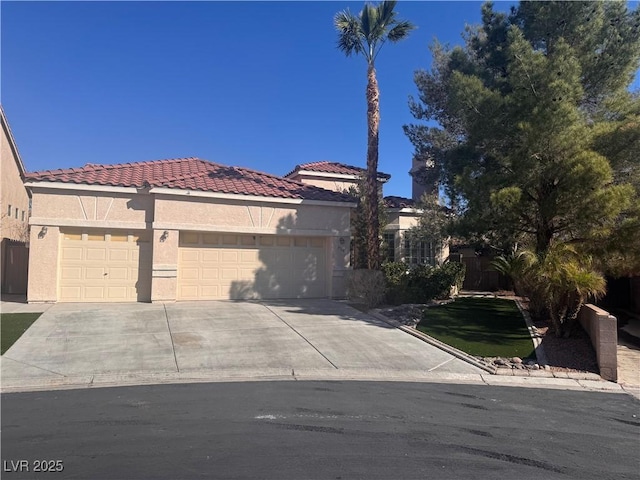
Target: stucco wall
pixel 94 209
pixel 43 264
pixel 164 282
pixel 206 214
pixel 13 193
pixel 329 184
pixel 399 223
pixel 603 331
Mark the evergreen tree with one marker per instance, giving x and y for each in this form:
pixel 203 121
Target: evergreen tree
pixel 530 110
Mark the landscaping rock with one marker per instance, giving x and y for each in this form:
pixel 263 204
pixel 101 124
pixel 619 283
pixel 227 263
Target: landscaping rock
pixel 517 360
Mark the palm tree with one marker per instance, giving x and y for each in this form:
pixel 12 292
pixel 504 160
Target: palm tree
pixel 366 34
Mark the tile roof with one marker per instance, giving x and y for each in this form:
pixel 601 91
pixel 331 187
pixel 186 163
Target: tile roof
pixel 334 167
pixel 399 202
pixel 189 174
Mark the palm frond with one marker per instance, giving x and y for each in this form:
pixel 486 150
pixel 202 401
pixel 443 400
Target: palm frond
pixel 400 31
pixel 350 38
pixel 386 13
pixel 369 21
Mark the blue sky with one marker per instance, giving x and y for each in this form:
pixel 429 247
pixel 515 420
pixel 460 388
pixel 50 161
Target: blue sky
pixel 253 84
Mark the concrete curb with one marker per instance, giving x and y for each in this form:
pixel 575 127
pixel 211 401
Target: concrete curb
pixel 434 342
pixel 537 340
pixel 171 378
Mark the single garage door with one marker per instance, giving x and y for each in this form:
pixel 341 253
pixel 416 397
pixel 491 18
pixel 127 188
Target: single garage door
pixel 104 266
pixel 226 266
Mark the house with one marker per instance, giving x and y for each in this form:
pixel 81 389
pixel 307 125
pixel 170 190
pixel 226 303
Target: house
pixel 183 229
pixel 332 175
pixel 14 216
pixel 402 213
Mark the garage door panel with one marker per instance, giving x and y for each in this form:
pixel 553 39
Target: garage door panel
pixel 210 273
pixel 115 293
pixel 189 254
pixel 93 293
pixel 190 273
pixel 247 273
pixel 230 274
pixel 245 266
pixel 212 291
pixel 188 292
pixel 72 253
pixel 118 273
pixel 71 293
pixel 96 254
pixel 121 255
pixel 94 273
pixel 71 273
pixel 230 256
pixel 210 255
pixel 250 256
pixel 101 269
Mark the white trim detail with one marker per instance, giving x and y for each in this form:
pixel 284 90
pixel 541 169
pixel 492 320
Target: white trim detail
pixel 67 222
pixel 344 176
pixel 108 210
pixel 195 227
pixel 82 186
pixel 253 198
pixel 84 212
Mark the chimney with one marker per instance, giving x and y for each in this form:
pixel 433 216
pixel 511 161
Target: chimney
pixel 419 183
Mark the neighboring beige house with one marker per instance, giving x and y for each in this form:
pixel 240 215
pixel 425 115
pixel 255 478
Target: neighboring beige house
pixel 402 213
pixel 183 229
pixel 14 215
pixel 332 175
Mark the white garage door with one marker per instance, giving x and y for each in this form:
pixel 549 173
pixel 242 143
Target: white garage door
pixel 104 266
pixel 226 266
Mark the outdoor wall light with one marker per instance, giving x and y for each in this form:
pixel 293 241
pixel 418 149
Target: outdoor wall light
pixel 164 236
pixel 42 232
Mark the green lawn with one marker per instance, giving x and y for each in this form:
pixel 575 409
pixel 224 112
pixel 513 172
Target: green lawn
pixel 487 327
pixel 12 326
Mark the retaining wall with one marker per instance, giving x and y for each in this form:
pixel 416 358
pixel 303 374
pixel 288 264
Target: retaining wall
pixel 602 329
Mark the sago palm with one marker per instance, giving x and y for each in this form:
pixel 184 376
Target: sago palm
pixel 365 35
pixel 566 279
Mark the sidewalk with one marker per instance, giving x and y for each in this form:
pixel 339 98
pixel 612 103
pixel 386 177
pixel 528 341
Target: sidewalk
pixel 629 354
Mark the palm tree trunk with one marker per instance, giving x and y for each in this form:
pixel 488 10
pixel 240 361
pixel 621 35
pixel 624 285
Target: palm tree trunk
pixel 373 125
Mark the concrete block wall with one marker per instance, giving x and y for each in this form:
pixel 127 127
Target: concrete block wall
pixel 603 331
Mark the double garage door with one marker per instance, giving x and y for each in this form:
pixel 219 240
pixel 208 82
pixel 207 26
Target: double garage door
pixel 222 266
pixel 116 266
pixel 104 266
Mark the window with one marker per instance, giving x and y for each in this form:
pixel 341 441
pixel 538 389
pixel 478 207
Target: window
pixel 9 211
pixel 419 252
pixel 16 213
pixel 23 215
pixel 189 238
pixel 388 247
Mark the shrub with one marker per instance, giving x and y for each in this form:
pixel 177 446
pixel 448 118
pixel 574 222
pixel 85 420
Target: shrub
pixel 367 286
pixel 395 277
pixel 421 283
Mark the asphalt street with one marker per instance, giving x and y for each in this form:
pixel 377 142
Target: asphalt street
pixel 320 430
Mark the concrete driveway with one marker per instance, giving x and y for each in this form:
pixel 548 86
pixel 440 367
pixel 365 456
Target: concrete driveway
pixel 92 344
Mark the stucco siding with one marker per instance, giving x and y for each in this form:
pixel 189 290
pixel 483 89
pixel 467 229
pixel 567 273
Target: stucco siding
pixel 99 209
pixel 43 264
pixel 250 217
pixel 13 194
